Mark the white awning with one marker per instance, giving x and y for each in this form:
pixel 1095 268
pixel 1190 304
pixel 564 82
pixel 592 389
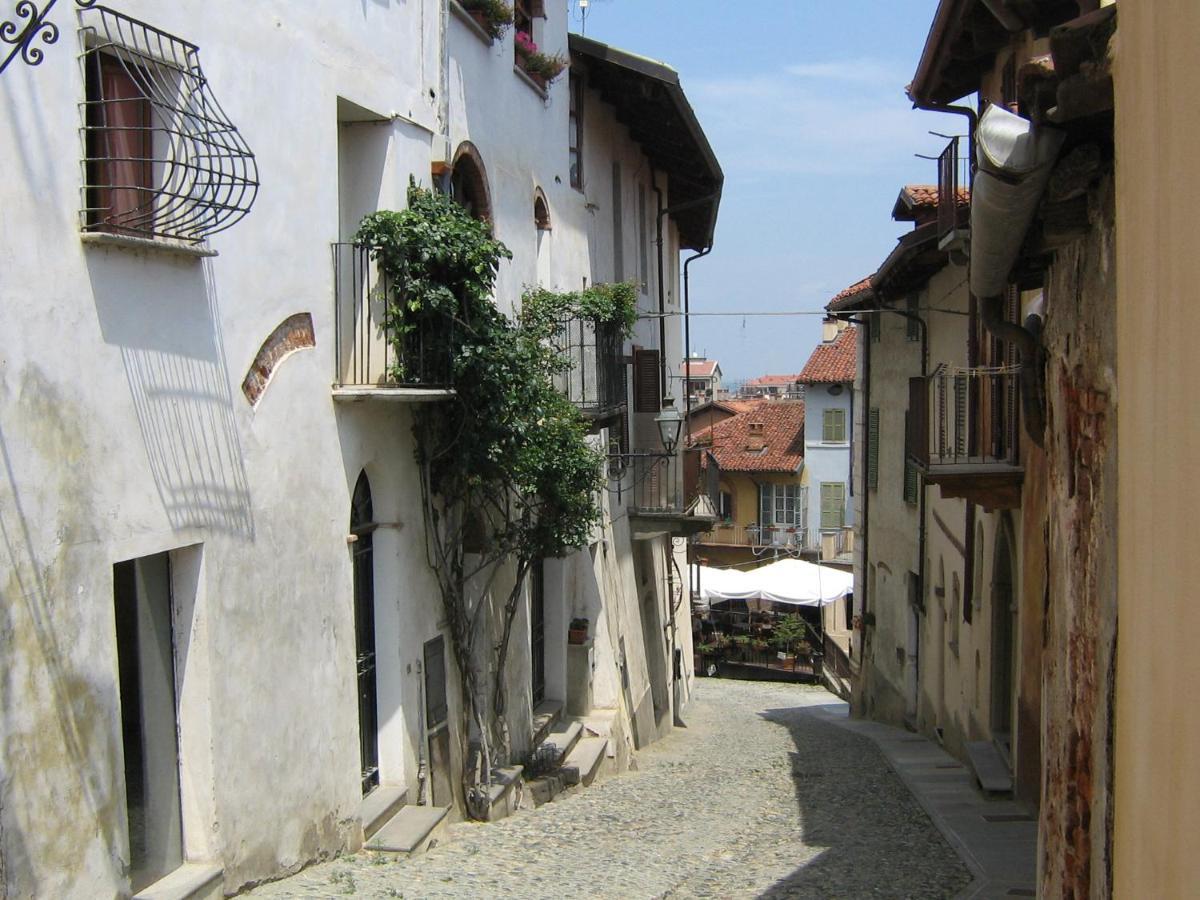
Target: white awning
pixel 790 582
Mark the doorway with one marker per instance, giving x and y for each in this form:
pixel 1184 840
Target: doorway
pixel 362 526
pixel 437 720
pixel 1003 699
pixel 149 725
pixel 537 631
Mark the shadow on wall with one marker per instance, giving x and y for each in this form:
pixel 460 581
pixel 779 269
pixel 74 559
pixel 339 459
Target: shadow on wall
pixel 49 711
pixel 871 828
pixel 167 326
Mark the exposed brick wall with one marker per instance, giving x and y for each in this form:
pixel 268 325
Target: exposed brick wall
pixel 292 334
pixel 1081 547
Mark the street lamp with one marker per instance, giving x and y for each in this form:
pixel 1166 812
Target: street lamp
pixel 669 424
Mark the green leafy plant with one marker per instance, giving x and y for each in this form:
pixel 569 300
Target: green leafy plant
pixel 604 304
pixel 507 475
pixel 788 631
pixel 494 16
pixel 544 65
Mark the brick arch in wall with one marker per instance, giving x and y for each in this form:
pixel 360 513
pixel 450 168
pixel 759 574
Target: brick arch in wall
pixel 292 334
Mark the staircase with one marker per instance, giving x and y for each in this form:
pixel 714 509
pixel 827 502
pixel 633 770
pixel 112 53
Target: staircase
pixel 566 754
pixel 990 768
pixel 391 825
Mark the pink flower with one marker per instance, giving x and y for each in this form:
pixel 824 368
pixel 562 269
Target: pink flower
pixel 525 42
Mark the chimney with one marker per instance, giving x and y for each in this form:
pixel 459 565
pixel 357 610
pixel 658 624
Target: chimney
pixel 755 440
pixel 830 329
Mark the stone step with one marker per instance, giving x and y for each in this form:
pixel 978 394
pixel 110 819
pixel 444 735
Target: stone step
pixel 990 770
pixel 562 739
pixel 502 793
pixel 546 788
pixel 583 762
pixel 545 716
pixel 191 881
pixel 379 806
pixel 410 831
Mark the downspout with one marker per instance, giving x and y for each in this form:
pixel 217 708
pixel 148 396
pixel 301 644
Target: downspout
pixel 866 491
pixel 662 295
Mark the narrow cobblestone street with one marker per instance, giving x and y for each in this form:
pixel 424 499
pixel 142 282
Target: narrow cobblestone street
pixel 757 797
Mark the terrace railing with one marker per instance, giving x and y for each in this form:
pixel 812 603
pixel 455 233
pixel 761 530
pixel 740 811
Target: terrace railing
pixel 370 354
pixel 595 381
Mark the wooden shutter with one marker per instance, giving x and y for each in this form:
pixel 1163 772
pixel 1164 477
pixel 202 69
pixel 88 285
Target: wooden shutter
pixel 912 486
pixel 436 707
pixel 647 395
pixel 833 502
pixel 916 422
pixel 873 448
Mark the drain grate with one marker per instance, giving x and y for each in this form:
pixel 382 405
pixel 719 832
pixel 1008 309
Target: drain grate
pixel 1007 817
pixel 1021 892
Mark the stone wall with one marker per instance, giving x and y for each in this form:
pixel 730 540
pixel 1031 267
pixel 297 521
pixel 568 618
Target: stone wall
pixel 1081 610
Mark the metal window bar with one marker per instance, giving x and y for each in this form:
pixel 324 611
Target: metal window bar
pixel 594 380
pixel 205 178
pixel 985 432
pixel 374 348
pixel 29 27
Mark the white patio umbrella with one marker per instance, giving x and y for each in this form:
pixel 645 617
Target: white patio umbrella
pixel 798 583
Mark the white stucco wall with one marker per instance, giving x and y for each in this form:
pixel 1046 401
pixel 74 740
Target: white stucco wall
pixel 125 433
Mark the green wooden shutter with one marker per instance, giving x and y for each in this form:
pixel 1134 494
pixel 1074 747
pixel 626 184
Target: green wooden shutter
pixel 912 487
pixel 873 448
pixel 833 504
pixel 833 426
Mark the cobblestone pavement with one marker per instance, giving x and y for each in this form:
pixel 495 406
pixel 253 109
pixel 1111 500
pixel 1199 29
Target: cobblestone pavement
pixel 755 798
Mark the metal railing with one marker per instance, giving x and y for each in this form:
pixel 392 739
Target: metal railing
pixel 370 350
pixel 657 487
pixel 793 538
pixel 969 417
pixel 954 175
pixel 595 381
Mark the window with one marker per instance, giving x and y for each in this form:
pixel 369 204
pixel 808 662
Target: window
pixel 833 426
pixel 726 505
pixel 643 241
pixel 468 183
pixel 618 218
pixel 781 505
pixel 833 505
pixel 913 329
pixel 873 448
pixel 575 131
pixel 120 148
pixel 541 212
pixel 162 160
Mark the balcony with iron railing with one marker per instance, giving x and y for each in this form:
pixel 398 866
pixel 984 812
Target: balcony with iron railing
pixel 963 433
pixel 783 537
pixel 594 381
pixel 954 184
pixel 375 356
pixel 650 482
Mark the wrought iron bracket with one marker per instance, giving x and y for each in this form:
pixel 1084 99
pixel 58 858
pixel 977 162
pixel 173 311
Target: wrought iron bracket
pixel 29 28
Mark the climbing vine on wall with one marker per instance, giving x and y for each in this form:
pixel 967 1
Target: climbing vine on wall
pixel 507 474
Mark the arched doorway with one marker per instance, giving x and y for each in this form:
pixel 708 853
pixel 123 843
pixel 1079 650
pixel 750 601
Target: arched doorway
pixel 362 526
pixel 1004 612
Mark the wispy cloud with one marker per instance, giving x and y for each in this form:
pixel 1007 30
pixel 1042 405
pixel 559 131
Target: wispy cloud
pixel 813 118
pixel 851 71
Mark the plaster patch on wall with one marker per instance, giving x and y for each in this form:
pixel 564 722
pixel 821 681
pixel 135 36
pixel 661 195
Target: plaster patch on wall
pixel 292 334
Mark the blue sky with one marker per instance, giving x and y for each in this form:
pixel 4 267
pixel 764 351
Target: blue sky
pixel 803 102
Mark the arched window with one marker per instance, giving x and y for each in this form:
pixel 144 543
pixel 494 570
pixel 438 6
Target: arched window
pixel 541 211
pixel 468 183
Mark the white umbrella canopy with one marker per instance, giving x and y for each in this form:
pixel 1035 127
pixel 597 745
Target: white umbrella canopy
pixel 788 581
pixel 799 583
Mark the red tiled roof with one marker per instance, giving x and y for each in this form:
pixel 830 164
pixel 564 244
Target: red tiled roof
pixel 764 380
pixel 701 367
pixel 916 200
pixel 783 438
pixel 854 290
pixel 836 361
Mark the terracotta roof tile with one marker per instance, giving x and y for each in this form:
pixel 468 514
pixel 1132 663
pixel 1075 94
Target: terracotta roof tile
pixel 765 380
pixel 836 361
pixel 918 200
pixel 699 367
pixel 783 438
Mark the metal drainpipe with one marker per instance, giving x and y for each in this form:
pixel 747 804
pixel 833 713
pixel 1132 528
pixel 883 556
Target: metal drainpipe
pixel 662 296
pixel 866 529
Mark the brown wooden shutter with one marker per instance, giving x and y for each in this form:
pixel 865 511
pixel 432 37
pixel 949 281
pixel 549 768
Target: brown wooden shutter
pixel 647 396
pixel 917 421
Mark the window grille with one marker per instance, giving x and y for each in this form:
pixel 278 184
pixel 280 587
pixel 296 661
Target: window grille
pixel 162 158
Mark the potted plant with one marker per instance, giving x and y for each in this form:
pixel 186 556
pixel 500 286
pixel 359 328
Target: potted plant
pixel 493 16
pixel 578 631
pixel 541 67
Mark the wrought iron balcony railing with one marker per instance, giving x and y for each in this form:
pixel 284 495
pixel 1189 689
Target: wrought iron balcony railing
pixel 657 486
pixel 965 418
pixel 782 536
pixel 954 182
pixel 595 381
pixel 370 352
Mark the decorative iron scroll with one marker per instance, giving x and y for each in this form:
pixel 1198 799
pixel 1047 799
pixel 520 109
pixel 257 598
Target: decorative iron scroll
pixel 162 158
pixel 29 28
